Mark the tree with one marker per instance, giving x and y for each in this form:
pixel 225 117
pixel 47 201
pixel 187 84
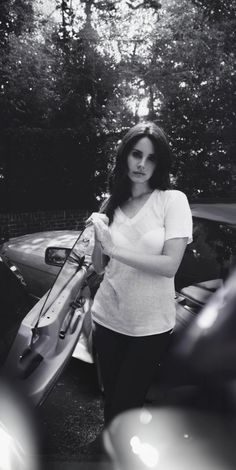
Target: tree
pixel 16 17
pixel 217 10
pixel 190 81
pixel 85 75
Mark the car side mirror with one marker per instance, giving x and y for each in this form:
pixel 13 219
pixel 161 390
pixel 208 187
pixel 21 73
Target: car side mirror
pixel 56 256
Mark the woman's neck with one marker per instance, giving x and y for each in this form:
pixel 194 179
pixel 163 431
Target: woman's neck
pixel 139 190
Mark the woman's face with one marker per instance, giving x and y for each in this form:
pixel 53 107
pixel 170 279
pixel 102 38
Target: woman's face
pixel 141 161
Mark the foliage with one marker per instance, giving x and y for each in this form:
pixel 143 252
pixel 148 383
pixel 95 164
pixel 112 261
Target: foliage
pixel 71 84
pixel 190 81
pixel 28 96
pixel 217 10
pixel 16 17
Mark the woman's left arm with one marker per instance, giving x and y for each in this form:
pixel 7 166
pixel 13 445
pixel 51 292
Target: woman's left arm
pixel 165 264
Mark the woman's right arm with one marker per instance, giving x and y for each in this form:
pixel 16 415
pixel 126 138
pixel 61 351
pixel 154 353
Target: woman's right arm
pixel 99 260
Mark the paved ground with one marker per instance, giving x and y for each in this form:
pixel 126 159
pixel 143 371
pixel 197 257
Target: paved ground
pixel 70 419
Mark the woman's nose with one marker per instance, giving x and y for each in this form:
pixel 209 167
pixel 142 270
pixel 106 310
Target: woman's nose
pixel 141 163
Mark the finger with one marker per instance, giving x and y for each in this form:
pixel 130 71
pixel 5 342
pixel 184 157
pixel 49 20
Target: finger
pixel 97 216
pixel 89 220
pixel 100 225
pixel 92 217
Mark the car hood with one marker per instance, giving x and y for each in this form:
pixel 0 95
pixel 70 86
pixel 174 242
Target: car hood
pixel 221 212
pixel 36 243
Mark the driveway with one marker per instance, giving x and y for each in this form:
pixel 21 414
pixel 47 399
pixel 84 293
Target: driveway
pixel 70 419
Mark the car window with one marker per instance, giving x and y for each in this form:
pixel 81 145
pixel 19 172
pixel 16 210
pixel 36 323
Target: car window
pixel 209 255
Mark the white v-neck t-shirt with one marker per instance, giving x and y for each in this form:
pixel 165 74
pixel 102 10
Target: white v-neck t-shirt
pixel 129 300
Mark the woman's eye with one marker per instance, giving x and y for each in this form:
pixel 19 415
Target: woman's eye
pixel 135 154
pixel 152 158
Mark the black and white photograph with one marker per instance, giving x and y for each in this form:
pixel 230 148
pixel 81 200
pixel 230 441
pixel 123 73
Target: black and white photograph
pixel 117 234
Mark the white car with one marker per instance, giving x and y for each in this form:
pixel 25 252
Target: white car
pixel 37 341
pixel 27 253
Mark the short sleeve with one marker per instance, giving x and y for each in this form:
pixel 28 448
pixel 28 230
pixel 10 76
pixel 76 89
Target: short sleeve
pixel 178 217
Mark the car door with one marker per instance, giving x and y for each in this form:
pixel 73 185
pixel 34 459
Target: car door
pixel 49 332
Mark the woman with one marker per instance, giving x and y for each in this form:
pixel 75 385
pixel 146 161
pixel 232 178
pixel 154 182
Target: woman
pixel 139 244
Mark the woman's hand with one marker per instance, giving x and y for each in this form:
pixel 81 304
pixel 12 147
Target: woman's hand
pixel 102 233
pixel 97 216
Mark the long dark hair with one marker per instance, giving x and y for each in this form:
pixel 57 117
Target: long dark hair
pixel 120 184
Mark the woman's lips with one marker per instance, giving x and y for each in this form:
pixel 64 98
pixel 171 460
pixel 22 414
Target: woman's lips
pixel 138 173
